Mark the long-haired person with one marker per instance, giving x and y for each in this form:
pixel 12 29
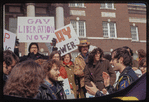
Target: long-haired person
pixel 95 67
pixel 24 80
pixel 10 59
pixel 122 61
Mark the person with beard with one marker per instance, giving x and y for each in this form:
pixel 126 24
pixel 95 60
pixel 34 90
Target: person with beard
pixel 79 65
pixel 51 89
pixel 9 61
pixel 33 53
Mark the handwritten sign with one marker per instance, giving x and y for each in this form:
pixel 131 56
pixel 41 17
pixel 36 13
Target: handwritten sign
pixel 67 39
pixel 8 40
pixel 35 29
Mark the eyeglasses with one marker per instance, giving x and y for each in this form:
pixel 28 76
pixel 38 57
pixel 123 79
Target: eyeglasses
pixel 33 47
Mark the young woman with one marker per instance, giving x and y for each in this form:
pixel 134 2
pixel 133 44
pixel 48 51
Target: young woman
pixel 67 71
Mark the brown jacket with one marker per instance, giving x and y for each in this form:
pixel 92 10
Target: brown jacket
pixel 79 65
pixel 70 74
pixel 94 73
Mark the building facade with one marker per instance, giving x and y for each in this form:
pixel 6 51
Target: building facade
pixel 105 25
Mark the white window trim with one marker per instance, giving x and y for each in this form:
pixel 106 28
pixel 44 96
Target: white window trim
pixel 106 7
pixel 137 34
pixel 108 24
pixel 77 6
pixel 85 29
pixel 77 25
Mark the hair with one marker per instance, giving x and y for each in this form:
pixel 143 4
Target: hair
pixel 65 55
pixel 93 53
pixel 9 56
pixel 53 53
pixel 24 80
pixel 107 56
pixel 33 44
pixel 48 65
pixel 141 53
pixel 131 51
pixel 40 61
pixel 122 52
pixel 79 47
pixel 143 60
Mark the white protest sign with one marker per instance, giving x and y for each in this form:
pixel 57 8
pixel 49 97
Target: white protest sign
pixel 67 39
pixel 35 29
pixel 9 40
pixel 66 86
pixel 89 95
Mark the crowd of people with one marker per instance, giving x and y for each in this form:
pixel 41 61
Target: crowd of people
pixel 41 77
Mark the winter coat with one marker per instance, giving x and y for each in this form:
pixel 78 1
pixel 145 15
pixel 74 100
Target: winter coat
pixel 67 71
pixel 5 77
pixel 126 78
pixel 94 73
pixel 33 56
pixel 46 93
pixel 79 65
pixel 30 56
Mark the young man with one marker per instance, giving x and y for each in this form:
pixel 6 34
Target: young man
pixel 9 61
pixel 122 61
pixel 79 65
pixel 33 53
pixel 95 67
pixel 51 89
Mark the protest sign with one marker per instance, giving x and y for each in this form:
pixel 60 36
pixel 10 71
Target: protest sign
pixel 67 39
pixel 35 29
pixel 66 86
pixel 8 40
pixel 89 95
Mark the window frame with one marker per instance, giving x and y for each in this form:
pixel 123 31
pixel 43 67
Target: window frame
pixel 106 6
pixel 76 5
pixel 108 26
pixel 77 27
pixel 137 33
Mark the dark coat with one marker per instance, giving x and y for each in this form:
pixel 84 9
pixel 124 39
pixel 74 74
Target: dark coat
pixel 33 56
pixel 5 77
pixel 46 93
pixel 127 75
pixel 94 73
pixel 30 56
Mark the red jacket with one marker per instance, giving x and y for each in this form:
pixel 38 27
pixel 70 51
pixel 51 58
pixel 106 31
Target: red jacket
pixel 63 72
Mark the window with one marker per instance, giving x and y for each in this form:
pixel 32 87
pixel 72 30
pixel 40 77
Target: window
pixel 79 27
pixel 107 6
pixel 134 33
pixel 76 4
pixel 13 25
pixel 109 29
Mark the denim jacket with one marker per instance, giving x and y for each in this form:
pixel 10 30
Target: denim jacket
pixel 46 92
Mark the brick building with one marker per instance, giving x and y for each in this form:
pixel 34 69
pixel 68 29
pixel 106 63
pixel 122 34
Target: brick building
pixel 105 25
